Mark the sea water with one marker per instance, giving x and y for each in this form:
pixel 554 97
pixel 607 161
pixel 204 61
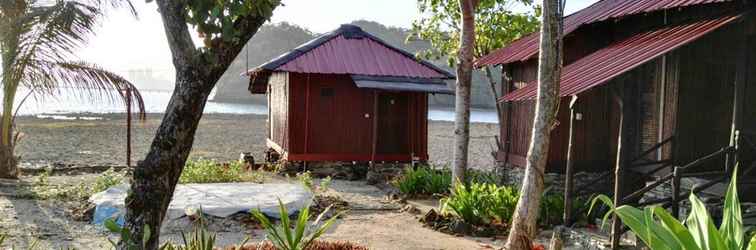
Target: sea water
pixel 68 101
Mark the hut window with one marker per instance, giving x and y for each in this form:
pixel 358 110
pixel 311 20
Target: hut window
pixel 326 92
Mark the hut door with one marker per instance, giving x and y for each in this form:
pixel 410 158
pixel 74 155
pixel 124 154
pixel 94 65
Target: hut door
pixel 393 135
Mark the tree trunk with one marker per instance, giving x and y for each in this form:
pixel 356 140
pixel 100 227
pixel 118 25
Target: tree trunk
pixel 462 100
pixel 156 177
pixel 495 96
pixel 523 229
pixel 8 163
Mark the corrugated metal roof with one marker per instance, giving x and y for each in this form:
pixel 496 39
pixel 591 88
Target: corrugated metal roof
pixel 350 50
pixel 620 57
pixel 527 47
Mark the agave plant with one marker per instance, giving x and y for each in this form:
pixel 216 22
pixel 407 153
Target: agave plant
pixel 302 235
pixel 660 230
pixel 38 42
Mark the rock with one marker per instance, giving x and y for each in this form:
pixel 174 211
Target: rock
pixel 410 209
pixel 461 227
pixel 430 217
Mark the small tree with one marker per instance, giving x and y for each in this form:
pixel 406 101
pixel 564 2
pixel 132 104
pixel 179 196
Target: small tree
pixel 494 25
pixel 524 221
pixel 37 44
pixel 225 27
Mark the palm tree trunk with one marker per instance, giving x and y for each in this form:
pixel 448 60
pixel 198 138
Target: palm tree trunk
pixel 524 221
pixel 462 100
pixel 8 161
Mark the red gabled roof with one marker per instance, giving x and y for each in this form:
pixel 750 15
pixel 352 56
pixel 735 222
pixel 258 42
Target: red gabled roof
pixel 350 50
pixel 622 56
pixel 341 55
pixel 527 47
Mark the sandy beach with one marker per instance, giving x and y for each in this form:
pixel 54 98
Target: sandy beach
pixel 102 142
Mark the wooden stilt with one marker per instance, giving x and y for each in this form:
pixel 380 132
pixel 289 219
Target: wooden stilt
pixel 569 175
pixel 676 192
pixel 629 104
pixel 741 71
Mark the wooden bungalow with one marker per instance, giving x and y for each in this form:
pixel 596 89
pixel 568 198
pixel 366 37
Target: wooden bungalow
pixel 348 96
pixel 652 88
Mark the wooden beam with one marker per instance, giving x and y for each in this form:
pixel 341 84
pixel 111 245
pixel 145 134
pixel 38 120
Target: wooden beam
pixel 569 176
pixel 676 192
pixel 507 86
pixel 741 75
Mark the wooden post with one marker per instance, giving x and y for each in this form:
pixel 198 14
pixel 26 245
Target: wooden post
pixel 676 192
pixel 569 175
pixel 628 103
pixel 506 88
pixel 375 128
pixel 128 127
pixel 741 72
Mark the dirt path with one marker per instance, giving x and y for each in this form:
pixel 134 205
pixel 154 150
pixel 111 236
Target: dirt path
pixel 373 221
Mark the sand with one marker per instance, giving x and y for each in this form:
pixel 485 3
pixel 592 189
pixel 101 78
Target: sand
pixel 220 136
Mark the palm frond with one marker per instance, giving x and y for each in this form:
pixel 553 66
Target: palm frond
pixel 46 78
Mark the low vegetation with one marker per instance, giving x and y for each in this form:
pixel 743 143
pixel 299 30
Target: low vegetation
pixel 299 236
pixel 43 189
pixel 210 171
pixel 481 203
pixel 426 180
pixel 660 230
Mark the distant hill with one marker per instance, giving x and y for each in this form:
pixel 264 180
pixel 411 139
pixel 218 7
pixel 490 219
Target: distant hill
pixel 275 39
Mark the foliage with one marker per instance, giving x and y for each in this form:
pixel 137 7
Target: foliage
pixel 210 171
pixel 487 203
pixel 660 230
pixel 302 235
pixel 325 183
pixel 217 19
pixel 43 190
pixel 125 235
pixel 423 181
pixel 480 203
pixel 306 179
pixel 496 25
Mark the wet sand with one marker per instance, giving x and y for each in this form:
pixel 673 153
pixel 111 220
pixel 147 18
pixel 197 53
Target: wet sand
pixel 220 136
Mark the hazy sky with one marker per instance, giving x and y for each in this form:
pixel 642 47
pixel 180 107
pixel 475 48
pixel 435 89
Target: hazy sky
pixel 124 42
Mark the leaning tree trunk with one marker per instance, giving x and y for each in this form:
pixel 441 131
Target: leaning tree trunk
pixel 464 82
pixel 524 221
pixel 197 71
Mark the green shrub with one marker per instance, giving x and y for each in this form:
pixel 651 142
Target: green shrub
pixel 660 230
pixel 306 179
pixel 284 237
pixel 210 171
pixel 486 203
pixel 423 181
pixel 481 203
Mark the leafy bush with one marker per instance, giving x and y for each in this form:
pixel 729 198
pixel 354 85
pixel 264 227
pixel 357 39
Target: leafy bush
pixel 306 179
pixel 660 230
pixel 302 235
pixel 486 203
pixel 423 181
pixel 481 203
pixel 209 171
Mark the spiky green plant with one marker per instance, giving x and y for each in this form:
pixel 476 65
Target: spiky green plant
pixel 38 42
pixel 660 230
pixel 299 236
